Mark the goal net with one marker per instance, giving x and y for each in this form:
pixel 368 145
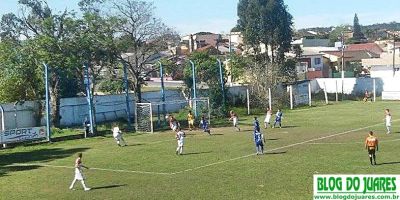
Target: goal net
pixel 144 117
pixel 156 112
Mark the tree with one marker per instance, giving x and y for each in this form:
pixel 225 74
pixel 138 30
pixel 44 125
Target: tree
pixel 48 36
pixel 207 71
pixel 358 36
pixel 142 36
pixel 266 22
pixel 237 65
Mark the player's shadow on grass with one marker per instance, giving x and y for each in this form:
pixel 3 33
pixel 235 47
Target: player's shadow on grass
pixel 196 153
pixel 108 187
pixel 290 126
pixel 272 139
pixel 275 153
pixel 38 155
pixel 389 163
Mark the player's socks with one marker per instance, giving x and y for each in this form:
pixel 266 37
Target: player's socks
pixel 374 159
pixel 370 160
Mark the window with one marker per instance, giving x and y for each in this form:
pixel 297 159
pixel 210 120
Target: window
pixel 317 61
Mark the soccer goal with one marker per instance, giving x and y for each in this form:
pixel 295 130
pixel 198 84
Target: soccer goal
pixel 156 112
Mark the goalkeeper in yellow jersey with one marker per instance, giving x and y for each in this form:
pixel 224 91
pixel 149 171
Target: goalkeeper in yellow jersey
pixel 190 118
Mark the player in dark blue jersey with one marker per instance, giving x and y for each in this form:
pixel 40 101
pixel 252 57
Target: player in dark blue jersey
pixel 204 125
pixel 259 140
pixel 256 124
pixel 278 118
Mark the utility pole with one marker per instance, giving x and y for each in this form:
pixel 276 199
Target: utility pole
pixel 343 65
pixel 394 53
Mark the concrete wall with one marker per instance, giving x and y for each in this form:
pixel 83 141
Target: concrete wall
pixel 355 85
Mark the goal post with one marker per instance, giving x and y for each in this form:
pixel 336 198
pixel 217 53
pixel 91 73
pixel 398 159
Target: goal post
pixel 144 117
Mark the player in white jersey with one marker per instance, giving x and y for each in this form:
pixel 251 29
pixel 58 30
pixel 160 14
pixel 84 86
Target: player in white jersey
pixel 267 118
pixel 180 135
pixel 234 117
pixel 117 134
pixel 388 120
pixel 78 173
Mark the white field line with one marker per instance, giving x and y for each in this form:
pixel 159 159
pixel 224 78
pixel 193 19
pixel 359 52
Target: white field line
pixel 92 168
pixel 339 143
pixel 279 148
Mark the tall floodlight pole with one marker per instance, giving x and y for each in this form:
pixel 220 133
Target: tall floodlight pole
pixel 88 98
pixel 194 87
pixel 342 65
pixel 222 81
pixel 394 53
pixel 128 107
pixel 46 79
pixel 162 89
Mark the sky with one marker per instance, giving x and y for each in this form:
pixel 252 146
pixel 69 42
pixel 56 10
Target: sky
pixel 219 16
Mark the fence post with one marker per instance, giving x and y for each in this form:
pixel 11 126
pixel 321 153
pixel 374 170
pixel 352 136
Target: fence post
pixel 337 97
pixel 248 101
pixel 270 98
pixel 374 82
pixel 326 94
pixel 291 96
pixel 309 93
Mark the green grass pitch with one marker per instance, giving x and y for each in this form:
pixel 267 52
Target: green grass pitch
pixel 319 140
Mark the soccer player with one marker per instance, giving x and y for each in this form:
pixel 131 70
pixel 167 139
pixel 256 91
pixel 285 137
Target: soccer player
pixel 204 125
pixel 235 119
pixel 86 125
pixel 371 144
pixel 173 123
pixel 267 118
pixel 278 118
pixel 259 140
pixel 256 124
pixel 117 134
pixel 388 120
pixel 78 173
pixel 190 119
pixel 180 135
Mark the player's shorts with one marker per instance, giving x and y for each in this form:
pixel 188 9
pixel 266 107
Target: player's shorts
pixel 180 143
pixel 235 121
pixel 78 175
pixel 371 151
pixel 118 137
pixel 259 144
pixel 191 122
pixel 174 127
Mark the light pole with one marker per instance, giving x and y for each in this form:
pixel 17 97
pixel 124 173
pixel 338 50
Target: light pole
pixel 126 85
pixel 89 98
pixel 162 89
pixel 194 87
pixel 222 81
pixel 46 78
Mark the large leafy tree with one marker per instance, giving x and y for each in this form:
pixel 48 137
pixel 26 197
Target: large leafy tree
pixel 47 36
pixel 266 22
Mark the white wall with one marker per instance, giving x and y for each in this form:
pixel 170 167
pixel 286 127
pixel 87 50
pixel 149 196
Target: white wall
pixel 355 85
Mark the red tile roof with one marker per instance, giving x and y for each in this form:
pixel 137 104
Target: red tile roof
pixel 371 47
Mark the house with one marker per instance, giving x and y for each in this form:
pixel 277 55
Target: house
pixel 199 40
pixel 383 66
pixel 371 47
pixel 352 59
pixel 304 42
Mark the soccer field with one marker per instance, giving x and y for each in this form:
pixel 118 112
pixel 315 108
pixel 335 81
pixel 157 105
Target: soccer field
pixel 318 140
